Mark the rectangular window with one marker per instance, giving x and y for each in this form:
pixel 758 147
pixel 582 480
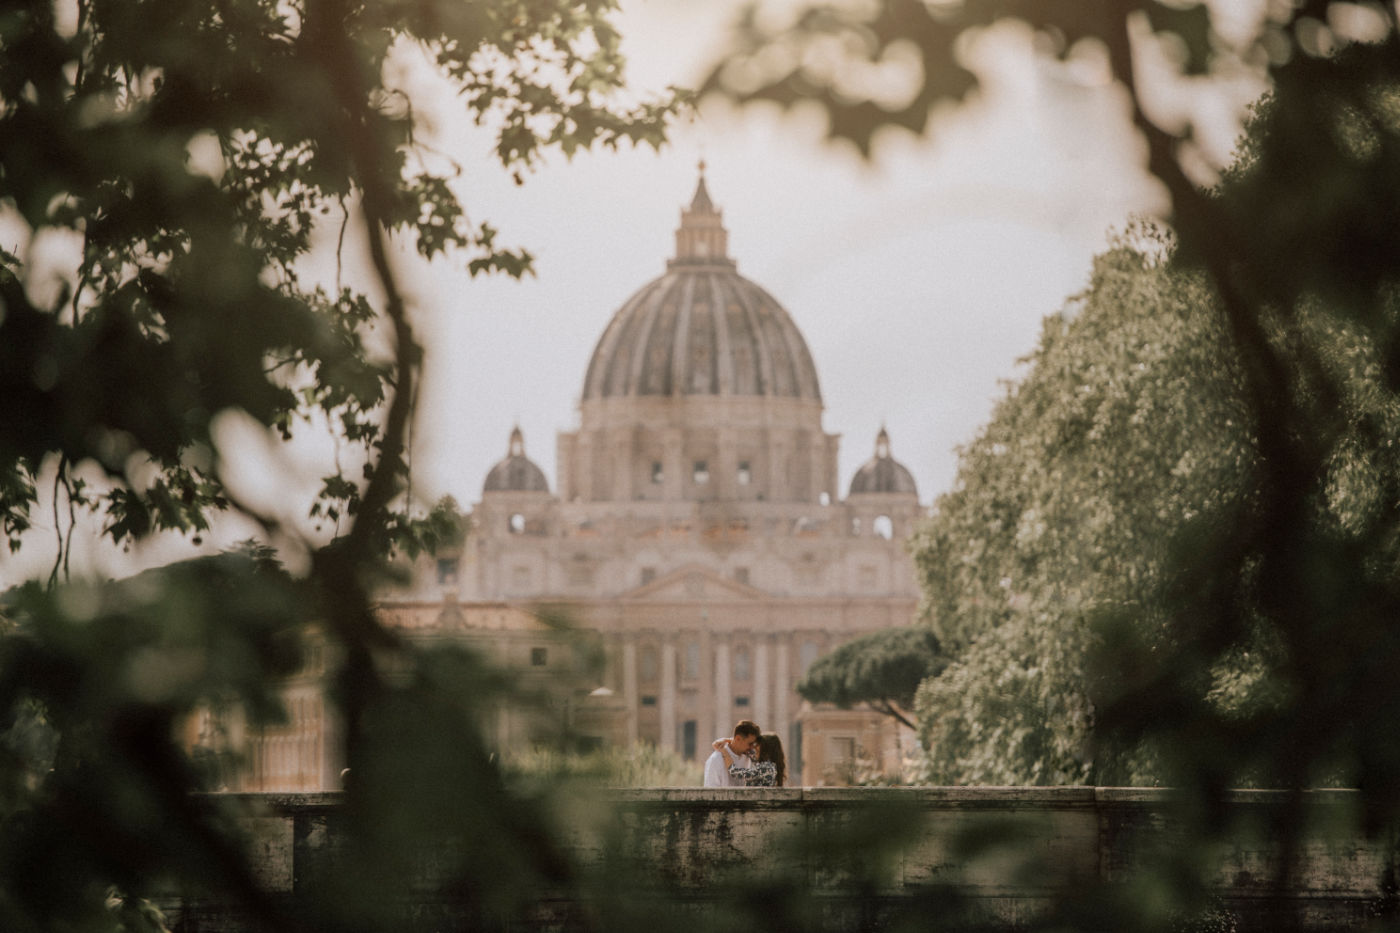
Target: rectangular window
pixel 744 476
pixel 842 749
pixel 688 730
pixel 539 657
pixel 648 701
pixel 702 472
pixel 741 575
pixel 648 574
pixel 446 571
pixel 741 701
pixel 658 475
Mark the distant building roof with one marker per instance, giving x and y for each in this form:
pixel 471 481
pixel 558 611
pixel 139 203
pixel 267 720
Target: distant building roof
pixel 882 473
pixel 517 472
pixel 702 328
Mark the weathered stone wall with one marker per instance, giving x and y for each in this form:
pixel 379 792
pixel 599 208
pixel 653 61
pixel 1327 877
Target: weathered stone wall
pixel 998 858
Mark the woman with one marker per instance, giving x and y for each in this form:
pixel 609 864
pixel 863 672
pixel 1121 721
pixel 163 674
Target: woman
pixel 770 770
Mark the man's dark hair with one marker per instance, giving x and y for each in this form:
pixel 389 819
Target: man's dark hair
pixel 748 728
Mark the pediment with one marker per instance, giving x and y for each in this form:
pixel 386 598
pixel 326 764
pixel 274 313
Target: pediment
pixel 693 583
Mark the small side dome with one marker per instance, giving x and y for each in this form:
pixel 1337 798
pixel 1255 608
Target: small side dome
pixel 883 473
pixel 517 472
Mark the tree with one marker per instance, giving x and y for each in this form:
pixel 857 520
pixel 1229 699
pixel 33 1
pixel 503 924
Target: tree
pixel 189 152
pixel 1127 427
pixel 882 669
pixel 1298 253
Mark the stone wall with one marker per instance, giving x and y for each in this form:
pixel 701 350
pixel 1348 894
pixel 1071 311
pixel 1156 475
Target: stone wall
pixel 846 858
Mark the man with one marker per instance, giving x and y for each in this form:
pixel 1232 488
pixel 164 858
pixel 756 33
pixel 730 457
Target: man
pixel 741 748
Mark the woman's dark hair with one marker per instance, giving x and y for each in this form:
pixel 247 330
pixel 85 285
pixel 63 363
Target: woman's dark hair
pixel 770 748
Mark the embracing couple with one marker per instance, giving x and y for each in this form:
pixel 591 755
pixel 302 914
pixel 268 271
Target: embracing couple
pixel 749 759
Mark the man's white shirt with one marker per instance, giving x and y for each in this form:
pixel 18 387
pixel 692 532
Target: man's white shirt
pixel 717 775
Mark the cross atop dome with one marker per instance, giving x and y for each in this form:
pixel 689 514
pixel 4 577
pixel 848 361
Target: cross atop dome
pixel 701 202
pixel 701 238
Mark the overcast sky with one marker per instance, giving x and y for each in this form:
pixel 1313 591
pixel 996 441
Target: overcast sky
pixel 918 279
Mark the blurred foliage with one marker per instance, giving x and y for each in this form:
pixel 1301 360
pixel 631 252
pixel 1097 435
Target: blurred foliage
pixel 1127 427
pixel 189 150
pixel 194 149
pixel 168 165
pixel 882 669
pixel 95 684
pixel 641 765
pixel 1256 638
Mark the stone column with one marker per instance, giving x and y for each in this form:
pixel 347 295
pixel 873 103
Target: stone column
pixel 622 443
pixel 629 685
pixel 725 466
pixel 668 696
pixel 565 444
pixel 762 686
pixel 584 468
pixel 782 717
pixel 600 466
pixel 779 489
pixel 673 464
pixel 820 481
pixel 831 450
pixel 708 729
pixel 724 699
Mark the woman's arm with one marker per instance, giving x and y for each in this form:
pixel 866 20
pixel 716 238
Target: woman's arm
pixel 722 746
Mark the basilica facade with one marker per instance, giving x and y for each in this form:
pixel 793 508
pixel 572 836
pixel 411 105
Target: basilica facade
pixel 696 523
pixel 695 533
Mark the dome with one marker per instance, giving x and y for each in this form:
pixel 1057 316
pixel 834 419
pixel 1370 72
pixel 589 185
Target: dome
pixel 883 473
pixel 517 472
pixel 702 328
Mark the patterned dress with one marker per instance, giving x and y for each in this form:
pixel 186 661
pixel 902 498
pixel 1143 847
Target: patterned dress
pixel 761 774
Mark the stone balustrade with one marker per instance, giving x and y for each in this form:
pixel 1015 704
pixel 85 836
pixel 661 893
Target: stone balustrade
pixel 843 858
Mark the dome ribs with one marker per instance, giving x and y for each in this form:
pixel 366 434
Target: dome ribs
pixel 697 367
pixel 722 297
pixel 666 340
pixel 702 329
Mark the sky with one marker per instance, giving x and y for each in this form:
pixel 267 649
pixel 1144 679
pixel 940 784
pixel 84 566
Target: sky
pixel 919 278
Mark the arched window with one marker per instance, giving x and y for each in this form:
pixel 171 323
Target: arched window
pixel 517 524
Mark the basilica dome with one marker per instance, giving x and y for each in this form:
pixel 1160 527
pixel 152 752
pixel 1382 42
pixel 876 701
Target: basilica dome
pixel 701 329
pixel 517 472
pixel 882 473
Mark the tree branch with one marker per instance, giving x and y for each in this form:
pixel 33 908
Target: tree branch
pixel 889 709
